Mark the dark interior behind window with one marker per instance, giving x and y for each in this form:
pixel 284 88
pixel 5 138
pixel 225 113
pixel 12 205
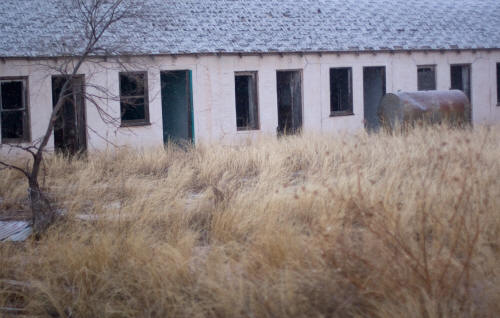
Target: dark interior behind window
pixel 426 78
pixel 14 112
pixel 341 91
pixel 12 95
pixel 134 98
pixel 246 101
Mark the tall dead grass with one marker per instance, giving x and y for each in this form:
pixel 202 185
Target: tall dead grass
pixel 311 226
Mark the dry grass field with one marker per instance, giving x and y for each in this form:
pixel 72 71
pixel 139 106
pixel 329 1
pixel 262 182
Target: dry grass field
pixel 312 226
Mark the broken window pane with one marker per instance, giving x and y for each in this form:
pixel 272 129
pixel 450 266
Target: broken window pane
pixel 12 125
pixel 134 109
pixel 246 101
pixel 426 78
pixel 132 84
pixel 133 98
pixel 12 95
pixel 341 91
pixel 13 108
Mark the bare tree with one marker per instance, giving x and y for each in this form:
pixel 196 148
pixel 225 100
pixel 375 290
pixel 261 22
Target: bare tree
pixel 93 19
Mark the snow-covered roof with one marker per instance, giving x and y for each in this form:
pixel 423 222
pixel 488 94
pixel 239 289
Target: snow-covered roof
pixel 30 28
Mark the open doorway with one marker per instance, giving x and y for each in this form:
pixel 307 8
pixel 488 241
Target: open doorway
pixel 247 101
pixel 177 109
pixel 461 80
pixel 70 130
pixel 374 89
pixel 289 85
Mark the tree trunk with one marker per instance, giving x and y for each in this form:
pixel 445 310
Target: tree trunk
pixel 41 211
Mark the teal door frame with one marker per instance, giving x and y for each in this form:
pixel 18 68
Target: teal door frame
pixel 177 105
pixel 374 89
pixel 191 110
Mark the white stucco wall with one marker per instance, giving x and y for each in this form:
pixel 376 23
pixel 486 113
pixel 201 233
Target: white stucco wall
pixel 214 94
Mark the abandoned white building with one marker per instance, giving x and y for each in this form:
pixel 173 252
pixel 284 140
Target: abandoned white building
pixel 229 70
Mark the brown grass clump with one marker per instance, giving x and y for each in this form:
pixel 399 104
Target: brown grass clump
pixel 311 226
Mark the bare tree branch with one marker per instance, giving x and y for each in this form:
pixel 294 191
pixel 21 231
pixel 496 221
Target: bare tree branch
pixel 95 18
pixel 10 166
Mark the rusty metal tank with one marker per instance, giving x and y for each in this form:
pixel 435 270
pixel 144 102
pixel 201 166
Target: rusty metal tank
pixel 431 107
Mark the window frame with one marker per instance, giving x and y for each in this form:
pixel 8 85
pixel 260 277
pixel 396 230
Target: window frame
pixel 26 138
pixel 434 67
pixel 350 110
pixel 255 80
pixel 135 122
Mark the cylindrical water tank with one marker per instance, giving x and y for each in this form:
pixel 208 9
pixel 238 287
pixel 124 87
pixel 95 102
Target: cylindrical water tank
pixel 432 107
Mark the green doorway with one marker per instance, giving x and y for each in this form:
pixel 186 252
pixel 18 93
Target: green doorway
pixel 373 90
pixel 177 106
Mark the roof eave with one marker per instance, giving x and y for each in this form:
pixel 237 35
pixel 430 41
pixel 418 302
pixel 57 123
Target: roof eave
pixel 259 53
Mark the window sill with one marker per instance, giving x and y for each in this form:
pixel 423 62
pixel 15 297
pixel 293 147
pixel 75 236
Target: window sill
pixel 6 141
pixel 134 124
pixel 244 129
pixel 341 114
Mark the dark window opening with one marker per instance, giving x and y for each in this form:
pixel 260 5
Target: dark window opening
pixel 341 91
pixel 498 84
pixel 247 110
pixel 426 78
pixel 14 110
pixel 134 99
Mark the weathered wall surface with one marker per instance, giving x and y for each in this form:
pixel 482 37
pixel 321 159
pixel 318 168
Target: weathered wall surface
pixel 214 95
